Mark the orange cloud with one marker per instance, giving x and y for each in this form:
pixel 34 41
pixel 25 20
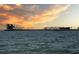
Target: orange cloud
pixel 14 19
pixel 8 7
pixel 47 15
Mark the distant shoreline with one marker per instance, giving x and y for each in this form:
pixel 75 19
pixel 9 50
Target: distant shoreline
pixel 42 30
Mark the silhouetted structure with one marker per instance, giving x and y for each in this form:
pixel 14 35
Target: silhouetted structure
pixel 57 28
pixel 10 27
pixel 64 28
pixel 51 28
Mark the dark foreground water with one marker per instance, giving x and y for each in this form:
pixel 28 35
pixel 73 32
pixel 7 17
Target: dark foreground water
pixel 39 42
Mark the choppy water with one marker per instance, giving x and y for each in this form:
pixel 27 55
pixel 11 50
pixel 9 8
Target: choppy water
pixel 35 42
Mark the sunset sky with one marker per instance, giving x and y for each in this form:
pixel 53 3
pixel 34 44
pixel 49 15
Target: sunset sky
pixel 38 16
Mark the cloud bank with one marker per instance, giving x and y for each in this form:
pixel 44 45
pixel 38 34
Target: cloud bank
pixel 25 16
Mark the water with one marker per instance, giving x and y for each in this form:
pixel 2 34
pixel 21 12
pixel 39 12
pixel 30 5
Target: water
pixel 39 42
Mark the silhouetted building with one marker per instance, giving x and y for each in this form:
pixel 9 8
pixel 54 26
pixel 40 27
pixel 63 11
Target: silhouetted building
pixel 10 27
pixel 64 28
pixel 57 28
pixel 51 28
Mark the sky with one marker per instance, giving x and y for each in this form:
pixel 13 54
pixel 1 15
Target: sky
pixel 38 16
